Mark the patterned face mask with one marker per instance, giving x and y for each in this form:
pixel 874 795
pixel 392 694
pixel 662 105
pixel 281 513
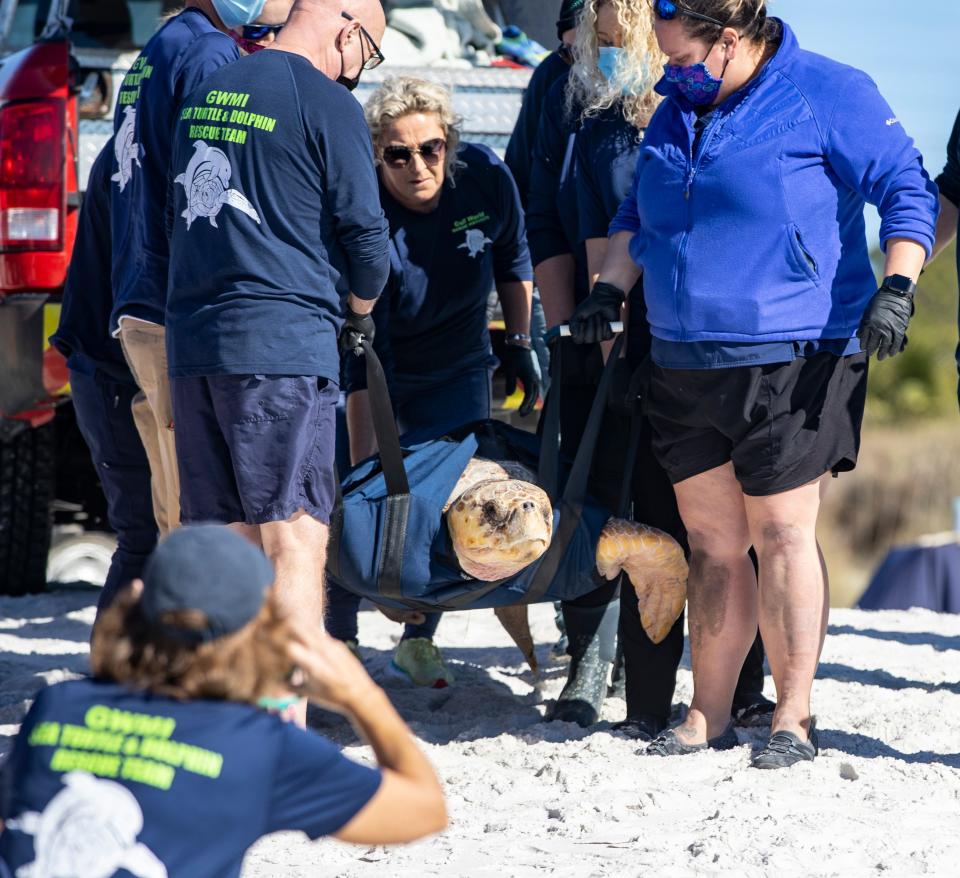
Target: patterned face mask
pixel 248 46
pixel 695 82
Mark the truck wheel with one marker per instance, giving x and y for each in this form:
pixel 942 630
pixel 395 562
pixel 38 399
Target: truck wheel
pixel 26 492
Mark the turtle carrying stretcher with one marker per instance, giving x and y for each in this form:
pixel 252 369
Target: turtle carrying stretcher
pixel 476 519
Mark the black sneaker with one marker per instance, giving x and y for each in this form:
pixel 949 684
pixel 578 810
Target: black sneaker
pixel 669 744
pixel 640 728
pixel 785 749
pixel 755 714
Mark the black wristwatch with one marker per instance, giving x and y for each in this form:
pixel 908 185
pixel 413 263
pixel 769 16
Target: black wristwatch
pixel 897 283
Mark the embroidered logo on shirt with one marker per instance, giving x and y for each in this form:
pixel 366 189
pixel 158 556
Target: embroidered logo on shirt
pixel 88 830
pixel 475 242
pixel 206 181
pixel 126 149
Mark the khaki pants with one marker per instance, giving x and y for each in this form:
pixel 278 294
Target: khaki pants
pixel 145 348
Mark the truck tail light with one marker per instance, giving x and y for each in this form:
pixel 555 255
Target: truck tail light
pixel 32 202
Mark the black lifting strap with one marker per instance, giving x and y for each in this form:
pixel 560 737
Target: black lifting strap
pixel 575 492
pixel 390 565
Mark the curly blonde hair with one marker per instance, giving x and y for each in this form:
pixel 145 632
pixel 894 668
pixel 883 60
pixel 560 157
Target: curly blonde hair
pixel 399 96
pixel 589 93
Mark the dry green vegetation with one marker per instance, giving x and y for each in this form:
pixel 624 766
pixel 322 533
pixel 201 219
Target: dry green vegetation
pixel 909 469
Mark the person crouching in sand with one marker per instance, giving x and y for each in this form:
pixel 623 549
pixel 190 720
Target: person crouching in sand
pixel 164 763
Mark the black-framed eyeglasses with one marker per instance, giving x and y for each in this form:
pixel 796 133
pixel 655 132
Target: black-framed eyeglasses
pixel 375 58
pixel 668 11
pixel 259 31
pixel 430 151
pixel 565 53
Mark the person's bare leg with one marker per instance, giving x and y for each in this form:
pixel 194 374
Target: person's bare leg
pixel 721 597
pixel 298 549
pixel 794 602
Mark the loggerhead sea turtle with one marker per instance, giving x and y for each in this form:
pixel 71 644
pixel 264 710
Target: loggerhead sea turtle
pixel 88 830
pixel 500 521
pixel 206 181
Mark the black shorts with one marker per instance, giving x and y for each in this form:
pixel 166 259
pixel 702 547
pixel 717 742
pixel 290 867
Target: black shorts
pixel 783 425
pixel 255 448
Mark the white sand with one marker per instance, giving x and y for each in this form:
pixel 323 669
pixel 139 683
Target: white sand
pixel 527 798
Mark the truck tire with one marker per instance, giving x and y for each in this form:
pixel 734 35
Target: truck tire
pixel 26 492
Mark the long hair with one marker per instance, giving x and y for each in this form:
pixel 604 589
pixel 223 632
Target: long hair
pixel 589 93
pixel 399 96
pixel 243 666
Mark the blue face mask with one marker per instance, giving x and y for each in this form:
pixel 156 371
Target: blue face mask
pixel 608 60
pixel 236 13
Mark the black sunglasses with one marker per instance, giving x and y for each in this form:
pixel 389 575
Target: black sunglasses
pixel 400 156
pixel 668 11
pixel 375 59
pixel 259 31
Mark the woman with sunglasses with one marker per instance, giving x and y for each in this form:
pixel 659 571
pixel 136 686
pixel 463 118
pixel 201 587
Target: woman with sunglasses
pixel 746 219
pixel 614 87
pixel 456 231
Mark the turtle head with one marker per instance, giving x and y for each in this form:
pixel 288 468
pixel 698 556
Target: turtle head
pixel 498 527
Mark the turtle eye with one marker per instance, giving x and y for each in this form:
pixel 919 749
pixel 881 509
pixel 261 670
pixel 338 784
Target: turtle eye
pixel 490 509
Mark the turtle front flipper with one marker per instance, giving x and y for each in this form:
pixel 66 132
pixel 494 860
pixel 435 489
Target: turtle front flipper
pixel 656 566
pixel 516 621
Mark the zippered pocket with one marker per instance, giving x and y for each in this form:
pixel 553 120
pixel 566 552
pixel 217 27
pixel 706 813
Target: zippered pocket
pixel 803 257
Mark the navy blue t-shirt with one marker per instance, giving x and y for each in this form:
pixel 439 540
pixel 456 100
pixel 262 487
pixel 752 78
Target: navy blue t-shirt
pixel 275 216
pixel 108 781
pixel 552 218
pixel 432 317
pixel 172 64
pixel 83 335
pixel 607 150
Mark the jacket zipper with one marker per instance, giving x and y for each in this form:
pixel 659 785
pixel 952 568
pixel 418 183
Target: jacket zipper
pixel 694 167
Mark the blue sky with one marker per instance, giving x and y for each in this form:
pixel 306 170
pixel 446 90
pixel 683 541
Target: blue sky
pixel 911 48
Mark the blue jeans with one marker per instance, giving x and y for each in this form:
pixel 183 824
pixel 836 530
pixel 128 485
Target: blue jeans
pixel 105 420
pixel 425 415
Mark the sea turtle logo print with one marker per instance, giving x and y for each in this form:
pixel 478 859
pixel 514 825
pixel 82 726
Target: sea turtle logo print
pixel 207 181
pixel 88 830
pixel 126 149
pixel 475 242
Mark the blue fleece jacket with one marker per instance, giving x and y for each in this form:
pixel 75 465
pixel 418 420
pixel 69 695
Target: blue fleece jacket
pixel 759 235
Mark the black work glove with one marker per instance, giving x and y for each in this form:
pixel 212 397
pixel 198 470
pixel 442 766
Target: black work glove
pixel 591 321
pixel 883 330
pixel 520 364
pixel 356 327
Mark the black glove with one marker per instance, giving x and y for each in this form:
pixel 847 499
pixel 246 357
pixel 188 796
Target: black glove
pixel 591 321
pixel 883 330
pixel 520 364
pixel 356 327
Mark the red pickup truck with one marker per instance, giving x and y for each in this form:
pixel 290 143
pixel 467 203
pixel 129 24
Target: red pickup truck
pixel 62 63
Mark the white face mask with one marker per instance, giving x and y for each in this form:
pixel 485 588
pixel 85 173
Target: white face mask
pixel 236 13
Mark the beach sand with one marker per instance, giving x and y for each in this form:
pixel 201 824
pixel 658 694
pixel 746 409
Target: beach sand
pixel 530 798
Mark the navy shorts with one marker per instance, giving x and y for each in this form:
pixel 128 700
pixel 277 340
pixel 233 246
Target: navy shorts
pixel 254 448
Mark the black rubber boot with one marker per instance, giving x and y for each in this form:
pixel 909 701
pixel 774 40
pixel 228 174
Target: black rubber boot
pixel 592 632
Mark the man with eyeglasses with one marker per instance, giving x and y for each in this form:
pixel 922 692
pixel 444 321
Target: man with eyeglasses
pixel 276 220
